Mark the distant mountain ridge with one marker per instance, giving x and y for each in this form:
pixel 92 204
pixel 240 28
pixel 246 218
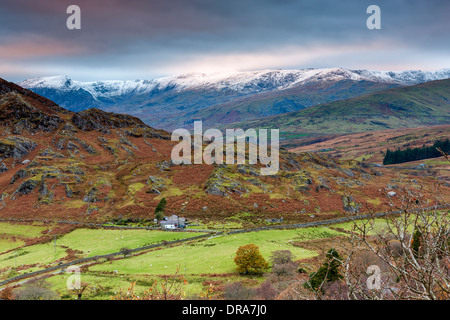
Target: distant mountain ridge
pixel 175 101
pixel 425 104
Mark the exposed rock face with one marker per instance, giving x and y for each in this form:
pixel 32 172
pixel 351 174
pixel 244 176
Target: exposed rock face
pixel 85 146
pixel 15 147
pixel 350 205
pixel 164 165
pixel 156 184
pixel 3 167
pixel 95 119
pixel 27 187
pixel 68 190
pixel 300 180
pixel 72 146
pixel 91 196
pixel 45 195
pixel 22 115
pixel 69 127
pixel 247 169
pixel 222 184
pixel 42 103
pixel 22 173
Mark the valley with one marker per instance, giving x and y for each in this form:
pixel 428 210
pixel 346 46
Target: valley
pixel 83 188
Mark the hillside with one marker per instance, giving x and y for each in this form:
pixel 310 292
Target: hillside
pixel 406 107
pixel 283 101
pixel 174 102
pixel 94 165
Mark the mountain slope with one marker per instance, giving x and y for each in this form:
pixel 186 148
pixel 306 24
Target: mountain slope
pixel 412 106
pixel 172 102
pixel 294 99
pixel 95 166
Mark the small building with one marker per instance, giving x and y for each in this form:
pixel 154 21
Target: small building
pixel 179 221
pixel 173 222
pixel 168 225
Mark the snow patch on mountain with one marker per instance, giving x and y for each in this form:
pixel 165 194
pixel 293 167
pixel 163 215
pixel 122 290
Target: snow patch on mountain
pixel 242 82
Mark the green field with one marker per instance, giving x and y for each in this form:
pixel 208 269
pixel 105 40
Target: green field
pixel 198 261
pixel 40 254
pixel 24 230
pixel 90 242
pixel 7 244
pixel 215 255
pixel 13 235
pixel 99 241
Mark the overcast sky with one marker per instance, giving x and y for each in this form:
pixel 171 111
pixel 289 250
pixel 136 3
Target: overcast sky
pixel 139 39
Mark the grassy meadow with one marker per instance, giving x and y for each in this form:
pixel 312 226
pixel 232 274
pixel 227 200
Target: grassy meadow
pixel 209 259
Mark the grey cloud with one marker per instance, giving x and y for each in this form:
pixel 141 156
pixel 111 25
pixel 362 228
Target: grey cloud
pixel 166 31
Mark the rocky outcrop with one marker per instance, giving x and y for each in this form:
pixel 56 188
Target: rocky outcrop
pixel 157 185
pixel 126 141
pixel 15 147
pixel 91 196
pixel 300 180
pixel 51 154
pixel 3 167
pixel 247 169
pixel 46 105
pixel 105 145
pixel 221 183
pixel 164 165
pixel 349 204
pixel 22 173
pixel 22 115
pixel 95 119
pixel 44 194
pixel 86 146
pixel 27 187
pixel 68 190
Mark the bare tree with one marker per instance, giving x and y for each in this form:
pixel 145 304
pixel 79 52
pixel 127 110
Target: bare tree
pixel 36 289
pixel 402 268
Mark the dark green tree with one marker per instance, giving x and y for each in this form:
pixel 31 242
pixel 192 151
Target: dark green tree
pixel 159 210
pixel 327 272
pixel 399 156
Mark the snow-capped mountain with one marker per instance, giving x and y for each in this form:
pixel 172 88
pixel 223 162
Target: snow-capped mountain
pixel 172 101
pixel 250 81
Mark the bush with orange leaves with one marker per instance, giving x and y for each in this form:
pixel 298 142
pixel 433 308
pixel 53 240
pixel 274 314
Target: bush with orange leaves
pixel 249 260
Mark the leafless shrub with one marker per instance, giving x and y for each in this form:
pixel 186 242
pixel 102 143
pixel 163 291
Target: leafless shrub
pixel 36 290
pixel 403 272
pixel 237 291
pixel 265 291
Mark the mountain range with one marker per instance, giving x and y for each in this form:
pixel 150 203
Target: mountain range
pixel 222 98
pixel 426 104
pixel 95 165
